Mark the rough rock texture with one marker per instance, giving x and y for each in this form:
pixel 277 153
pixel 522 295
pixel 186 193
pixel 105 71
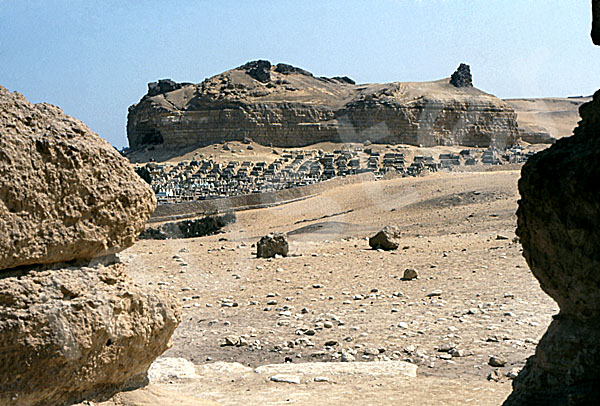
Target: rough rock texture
pixel 271 245
pixel 462 76
pixel 386 239
pixel 559 227
pixel 286 106
pixel 188 228
pixel 65 193
pixel 163 86
pixel 72 333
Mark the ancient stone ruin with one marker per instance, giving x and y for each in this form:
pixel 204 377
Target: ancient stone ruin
pixel 558 223
pixel 73 326
pixel 286 106
pixel 462 76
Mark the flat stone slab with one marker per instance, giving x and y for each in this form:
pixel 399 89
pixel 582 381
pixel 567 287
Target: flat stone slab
pixel 320 369
pixel 168 368
pixel 223 368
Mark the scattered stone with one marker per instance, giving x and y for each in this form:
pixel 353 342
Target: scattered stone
pixel 410 274
pixel 496 362
pixel 495 376
pixel 386 239
pixel 271 245
pixel 286 378
pixel 231 341
pixel 434 293
pixel 513 373
pixel 347 357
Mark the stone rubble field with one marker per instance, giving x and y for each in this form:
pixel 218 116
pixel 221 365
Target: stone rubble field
pixel 455 299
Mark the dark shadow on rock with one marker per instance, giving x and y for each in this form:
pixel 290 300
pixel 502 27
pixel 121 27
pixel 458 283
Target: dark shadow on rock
pixel 559 227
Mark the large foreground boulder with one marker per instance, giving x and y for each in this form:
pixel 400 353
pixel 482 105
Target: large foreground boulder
pixel 65 193
pixel 559 227
pixel 68 334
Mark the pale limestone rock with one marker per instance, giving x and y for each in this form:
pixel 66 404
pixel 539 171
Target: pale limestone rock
pixel 65 193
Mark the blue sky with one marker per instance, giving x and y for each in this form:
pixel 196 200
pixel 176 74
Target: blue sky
pixel 94 58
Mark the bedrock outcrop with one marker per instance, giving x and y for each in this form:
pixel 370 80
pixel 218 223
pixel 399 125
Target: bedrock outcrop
pixel 71 333
pixel 286 106
pixel 558 224
pixel 65 193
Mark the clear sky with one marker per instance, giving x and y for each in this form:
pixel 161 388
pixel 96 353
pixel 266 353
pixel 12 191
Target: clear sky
pixel 94 58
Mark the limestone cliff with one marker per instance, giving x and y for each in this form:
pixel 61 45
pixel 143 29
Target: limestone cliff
pixel 282 105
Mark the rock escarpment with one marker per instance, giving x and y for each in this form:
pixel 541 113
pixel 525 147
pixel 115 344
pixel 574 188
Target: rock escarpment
pixel 65 193
pixel 70 332
pixel 282 105
pixel 558 224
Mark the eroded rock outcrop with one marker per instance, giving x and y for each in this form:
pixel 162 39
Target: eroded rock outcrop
pixel 286 106
pixel 72 333
pixel 462 76
pixel 65 193
pixel 82 330
pixel 558 224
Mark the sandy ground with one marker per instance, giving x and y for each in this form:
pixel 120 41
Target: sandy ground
pixel 554 115
pixel 334 295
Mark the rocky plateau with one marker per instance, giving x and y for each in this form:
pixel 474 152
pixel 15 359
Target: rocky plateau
pixel 282 105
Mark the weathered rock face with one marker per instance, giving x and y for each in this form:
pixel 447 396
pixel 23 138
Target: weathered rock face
pixel 387 239
pixel 558 224
pixel 69 333
pixel 72 333
pixel 271 245
pixel 286 106
pixel 559 227
pixel 65 193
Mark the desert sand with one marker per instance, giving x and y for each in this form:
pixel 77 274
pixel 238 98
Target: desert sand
pixel 474 293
